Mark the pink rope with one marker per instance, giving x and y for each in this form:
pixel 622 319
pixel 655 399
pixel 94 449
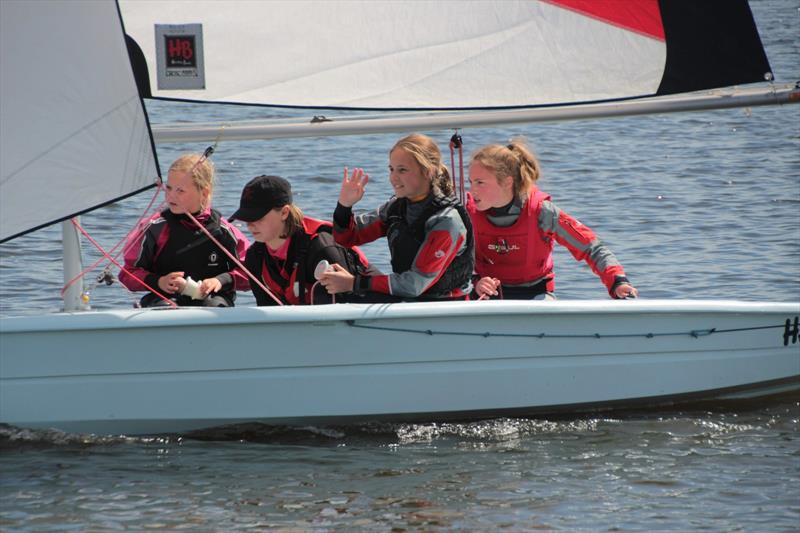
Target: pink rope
pixel 463 193
pixel 453 165
pixel 137 227
pixel 107 255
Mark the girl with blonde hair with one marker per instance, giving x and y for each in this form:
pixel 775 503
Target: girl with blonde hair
pixel 173 256
pixel 428 231
pixel 516 224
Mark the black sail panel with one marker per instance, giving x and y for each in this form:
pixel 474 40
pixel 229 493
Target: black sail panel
pixel 710 43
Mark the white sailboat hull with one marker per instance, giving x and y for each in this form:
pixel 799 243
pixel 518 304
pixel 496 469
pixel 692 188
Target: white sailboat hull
pixel 171 371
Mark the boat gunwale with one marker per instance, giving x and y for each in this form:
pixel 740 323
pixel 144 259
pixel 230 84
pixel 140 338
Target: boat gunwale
pixel 198 316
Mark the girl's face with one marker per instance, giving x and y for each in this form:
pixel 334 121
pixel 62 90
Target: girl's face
pixel 182 194
pixel 407 177
pixel 269 228
pixel 487 190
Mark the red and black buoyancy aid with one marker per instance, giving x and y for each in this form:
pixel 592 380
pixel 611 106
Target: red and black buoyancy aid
pixel 515 254
pixel 291 280
pixel 406 239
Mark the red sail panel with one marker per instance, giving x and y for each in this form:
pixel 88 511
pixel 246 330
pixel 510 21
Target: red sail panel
pixel 640 16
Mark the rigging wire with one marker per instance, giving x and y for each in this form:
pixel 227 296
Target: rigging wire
pixel 129 239
pixel 121 267
pixel 697 333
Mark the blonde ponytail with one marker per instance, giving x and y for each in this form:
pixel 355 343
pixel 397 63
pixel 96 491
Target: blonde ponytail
pixel 442 183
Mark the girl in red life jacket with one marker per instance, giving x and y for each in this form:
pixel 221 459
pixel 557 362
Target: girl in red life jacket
pixel 428 232
pixel 171 249
pixel 288 245
pixel 516 224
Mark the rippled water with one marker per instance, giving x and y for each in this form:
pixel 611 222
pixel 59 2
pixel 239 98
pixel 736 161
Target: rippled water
pixel 717 470
pixel 700 205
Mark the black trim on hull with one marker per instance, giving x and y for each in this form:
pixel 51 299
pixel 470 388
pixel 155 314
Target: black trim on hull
pixel 710 43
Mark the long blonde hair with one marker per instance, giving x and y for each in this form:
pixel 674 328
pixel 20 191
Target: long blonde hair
pixel 426 153
pixel 515 160
pixel 201 170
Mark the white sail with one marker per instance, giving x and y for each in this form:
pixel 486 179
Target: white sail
pixel 73 129
pixel 435 55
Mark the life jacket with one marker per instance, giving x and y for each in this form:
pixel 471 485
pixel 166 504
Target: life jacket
pixel 514 254
pixel 406 239
pixel 190 251
pixel 291 279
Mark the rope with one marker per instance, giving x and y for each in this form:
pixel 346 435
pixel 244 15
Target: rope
pixel 456 142
pixel 138 227
pixel 314 286
pixel 107 255
pixel 693 333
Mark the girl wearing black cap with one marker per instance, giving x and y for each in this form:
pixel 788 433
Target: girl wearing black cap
pixel 289 246
pixel 428 231
pixel 173 256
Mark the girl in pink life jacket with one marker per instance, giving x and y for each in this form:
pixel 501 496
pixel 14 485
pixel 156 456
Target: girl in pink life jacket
pixel 289 246
pixel 516 224
pixel 171 249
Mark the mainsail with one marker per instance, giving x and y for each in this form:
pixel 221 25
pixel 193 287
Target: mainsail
pixel 73 134
pixel 458 64
pixel 427 55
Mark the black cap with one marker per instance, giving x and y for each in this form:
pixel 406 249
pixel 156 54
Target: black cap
pixel 260 196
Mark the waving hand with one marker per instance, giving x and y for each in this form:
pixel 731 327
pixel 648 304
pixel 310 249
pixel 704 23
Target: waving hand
pixel 353 187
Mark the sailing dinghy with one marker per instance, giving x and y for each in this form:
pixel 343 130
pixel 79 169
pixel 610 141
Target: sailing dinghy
pixel 85 141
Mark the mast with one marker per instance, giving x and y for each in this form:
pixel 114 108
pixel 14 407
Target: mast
pixel 73 266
